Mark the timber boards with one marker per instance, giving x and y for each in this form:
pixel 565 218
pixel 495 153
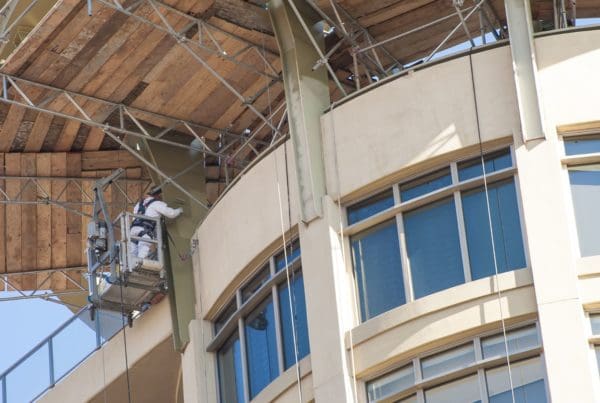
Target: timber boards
pixel 46 236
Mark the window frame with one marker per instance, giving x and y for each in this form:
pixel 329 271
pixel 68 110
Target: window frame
pixel 569 161
pixel 236 322
pixel 478 367
pixel 593 338
pixel 454 190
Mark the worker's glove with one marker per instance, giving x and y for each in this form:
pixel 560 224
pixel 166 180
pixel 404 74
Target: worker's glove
pixel 179 211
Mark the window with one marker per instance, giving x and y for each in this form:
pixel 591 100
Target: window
pixel 433 247
pixel 527 378
pixel 595 340
pixel 468 373
pixel 448 361
pixel 585 190
pixel 293 319
pixel 582 145
pixel 465 389
pixel 266 332
pixel 230 371
pixel 376 258
pixel 508 239
pixel 390 384
pixel 374 205
pixel 432 233
pixel 584 178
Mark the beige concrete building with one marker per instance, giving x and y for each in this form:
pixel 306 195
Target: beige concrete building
pixel 431 237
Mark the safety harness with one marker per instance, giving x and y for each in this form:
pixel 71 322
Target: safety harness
pixel 148 225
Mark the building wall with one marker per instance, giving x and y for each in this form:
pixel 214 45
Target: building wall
pixel 392 133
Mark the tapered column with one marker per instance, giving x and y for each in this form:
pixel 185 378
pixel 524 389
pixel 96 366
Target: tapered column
pixel 306 95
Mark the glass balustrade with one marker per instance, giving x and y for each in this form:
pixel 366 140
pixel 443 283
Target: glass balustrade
pixel 57 355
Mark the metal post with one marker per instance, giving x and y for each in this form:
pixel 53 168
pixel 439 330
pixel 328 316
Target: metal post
pixel 51 361
pixel 520 30
pixel 98 327
pixel 307 96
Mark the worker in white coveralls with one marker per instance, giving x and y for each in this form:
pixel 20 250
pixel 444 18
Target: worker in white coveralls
pixel 150 206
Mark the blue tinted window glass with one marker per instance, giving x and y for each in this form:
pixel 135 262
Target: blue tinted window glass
pixel 534 392
pixel 370 207
pixel 582 146
pixel 224 317
pixel 425 184
pixel 433 247
pixel 292 251
pixel 256 283
pixel 298 315
pixel 585 190
pixel 378 270
pixel 230 371
pixel 493 162
pixel 508 240
pixel 261 347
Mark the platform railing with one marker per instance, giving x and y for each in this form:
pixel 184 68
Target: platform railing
pixel 57 355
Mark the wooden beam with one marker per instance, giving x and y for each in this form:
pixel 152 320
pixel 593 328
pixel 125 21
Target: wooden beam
pixel 244 14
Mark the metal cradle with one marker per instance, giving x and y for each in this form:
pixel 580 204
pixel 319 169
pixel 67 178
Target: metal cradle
pixel 118 280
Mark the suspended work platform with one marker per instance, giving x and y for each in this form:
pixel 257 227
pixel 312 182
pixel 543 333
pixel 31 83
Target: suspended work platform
pixel 120 279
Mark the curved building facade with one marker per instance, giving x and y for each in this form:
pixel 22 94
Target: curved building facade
pixel 455 257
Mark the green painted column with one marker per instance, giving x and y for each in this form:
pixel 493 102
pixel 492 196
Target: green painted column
pixel 171 161
pixel 306 95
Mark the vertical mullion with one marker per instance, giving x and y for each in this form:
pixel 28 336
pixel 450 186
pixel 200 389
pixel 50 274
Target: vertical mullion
pixel 483 392
pixel 97 326
pixel 51 361
pixel 460 219
pixel 520 209
pixel 243 353
pixel 522 222
pixel 405 263
pixel 4 392
pixel 278 327
pixel 418 378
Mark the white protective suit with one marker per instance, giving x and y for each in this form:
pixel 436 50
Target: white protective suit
pixel 155 209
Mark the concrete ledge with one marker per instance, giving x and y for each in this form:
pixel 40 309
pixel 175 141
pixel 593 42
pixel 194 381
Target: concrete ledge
pixel 285 387
pixel 108 363
pixel 440 319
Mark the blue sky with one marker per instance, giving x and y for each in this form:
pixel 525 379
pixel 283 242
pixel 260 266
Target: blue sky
pixel 26 323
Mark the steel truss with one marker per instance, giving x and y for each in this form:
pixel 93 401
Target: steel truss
pixel 95 112
pixel 195 39
pixel 130 121
pixel 363 47
pixel 43 282
pixel 6 13
pixel 42 184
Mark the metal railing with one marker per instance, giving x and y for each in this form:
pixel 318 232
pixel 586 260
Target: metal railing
pixel 57 355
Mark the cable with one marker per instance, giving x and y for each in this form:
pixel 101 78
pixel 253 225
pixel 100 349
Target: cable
pixel 291 300
pixel 291 294
pixel 125 342
pixel 489 214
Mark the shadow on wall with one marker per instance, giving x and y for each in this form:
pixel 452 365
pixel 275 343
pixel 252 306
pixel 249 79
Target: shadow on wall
pixel 570 45
pixel 438 142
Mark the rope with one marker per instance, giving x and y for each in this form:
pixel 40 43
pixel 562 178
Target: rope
pixel 489 214
pixel 291 294
pixel 125 340
pixel 291 300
